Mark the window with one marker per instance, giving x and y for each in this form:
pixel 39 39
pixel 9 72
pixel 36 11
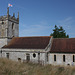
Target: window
pixel 13 30
pixel 13 26
pixel 38 53
pixel 54 57
pixel 63 58
pixel 2 22
pixel 27 57
pixel 47 56
pixel 7 55
pixel 34 55
pixel 73 58
pixel 39 57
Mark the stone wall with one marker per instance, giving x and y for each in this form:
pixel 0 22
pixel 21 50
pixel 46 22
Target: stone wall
pixel 59 59
pixel 14 54
pixel 13 32
pixel 41 56
pixel 3 28
pixel 3 41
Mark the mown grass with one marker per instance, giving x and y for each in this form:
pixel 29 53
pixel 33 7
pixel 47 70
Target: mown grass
pixel 9 67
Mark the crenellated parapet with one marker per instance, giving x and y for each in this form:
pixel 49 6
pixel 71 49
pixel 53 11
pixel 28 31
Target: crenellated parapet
pixel 9 17
pixel 3 18
pixel 13 19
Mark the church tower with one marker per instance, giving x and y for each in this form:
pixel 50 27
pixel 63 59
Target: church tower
pixel 9 27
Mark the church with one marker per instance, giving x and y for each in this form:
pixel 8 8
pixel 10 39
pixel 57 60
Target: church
pixel 37 49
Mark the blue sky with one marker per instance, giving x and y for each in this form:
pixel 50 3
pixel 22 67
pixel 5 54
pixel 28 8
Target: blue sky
pixel 38 17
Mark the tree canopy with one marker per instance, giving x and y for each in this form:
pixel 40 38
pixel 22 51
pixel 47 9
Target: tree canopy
pixel 59 32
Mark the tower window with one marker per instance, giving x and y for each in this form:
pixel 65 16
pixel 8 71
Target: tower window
pixel 63 58
pixel 2 22
pixel 54 57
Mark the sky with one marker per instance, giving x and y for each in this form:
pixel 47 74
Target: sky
pixel 38 17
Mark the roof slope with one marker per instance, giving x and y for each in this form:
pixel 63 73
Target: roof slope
pixel 63 45
pixel 29 42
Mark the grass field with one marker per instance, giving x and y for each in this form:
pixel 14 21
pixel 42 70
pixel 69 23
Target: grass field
pixel 9 67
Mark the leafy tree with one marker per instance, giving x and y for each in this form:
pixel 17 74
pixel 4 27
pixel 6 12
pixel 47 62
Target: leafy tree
pixel 59 32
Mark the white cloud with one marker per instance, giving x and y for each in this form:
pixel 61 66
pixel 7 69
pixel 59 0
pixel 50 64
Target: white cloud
pixel 66 21
pixel 44 29
pixel 35 30
pixel 68 25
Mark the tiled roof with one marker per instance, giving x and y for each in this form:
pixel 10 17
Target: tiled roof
pixel 39 42
pixel 63 45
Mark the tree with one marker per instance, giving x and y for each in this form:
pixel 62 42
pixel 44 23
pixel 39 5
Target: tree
pixel 59 32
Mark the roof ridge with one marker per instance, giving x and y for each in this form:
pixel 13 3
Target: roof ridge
pixel 32 36
pixel 63 38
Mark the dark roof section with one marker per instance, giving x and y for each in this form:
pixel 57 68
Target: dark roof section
pixel 39 42
pixel 63 45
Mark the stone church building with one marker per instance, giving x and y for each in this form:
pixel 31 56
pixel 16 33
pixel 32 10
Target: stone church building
pixel 38 49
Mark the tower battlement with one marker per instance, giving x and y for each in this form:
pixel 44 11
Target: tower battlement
pixel 12 18
pixel 3 18
pixel 9 17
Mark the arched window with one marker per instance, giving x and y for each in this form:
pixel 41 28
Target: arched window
pixel 63 58
pixel 54 57
pixel 12 29
pixel 13 26
pixel 73 58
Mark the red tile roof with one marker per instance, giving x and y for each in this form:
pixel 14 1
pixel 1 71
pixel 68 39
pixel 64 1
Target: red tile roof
pixel 63 45
pixel 39 42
